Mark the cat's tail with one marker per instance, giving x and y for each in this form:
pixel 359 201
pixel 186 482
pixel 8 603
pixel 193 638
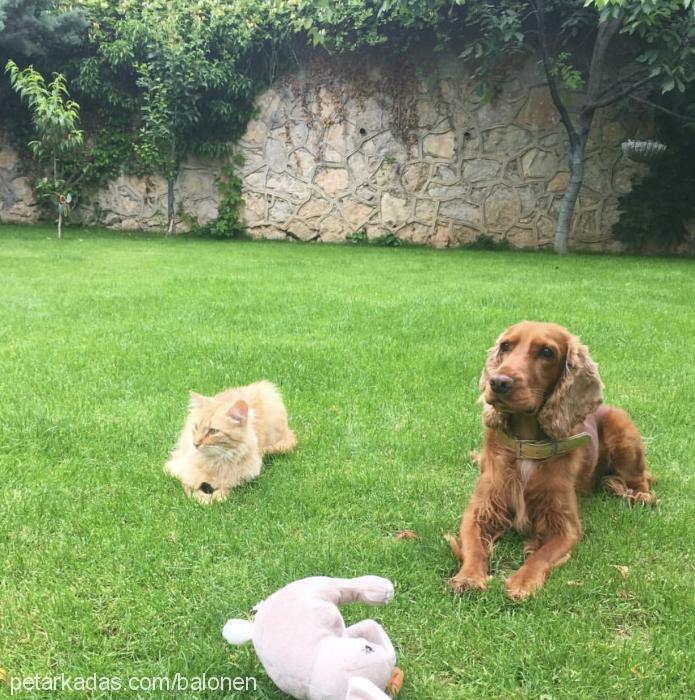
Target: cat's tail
pixel 237 631
pixel 286 444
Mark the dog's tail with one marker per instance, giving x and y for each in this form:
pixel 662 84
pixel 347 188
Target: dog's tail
pixel 237 631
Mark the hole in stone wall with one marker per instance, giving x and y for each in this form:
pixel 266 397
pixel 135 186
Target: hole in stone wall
pixel 363 131
pixel 467 136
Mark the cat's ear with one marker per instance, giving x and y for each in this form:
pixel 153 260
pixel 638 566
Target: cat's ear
pixel 198 401
pixel 239 412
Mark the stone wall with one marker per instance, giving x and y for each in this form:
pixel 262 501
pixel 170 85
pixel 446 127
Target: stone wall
pixel 375 147
pixel 337 149
pixel 17 202
pixel 126 203
pixel 136 203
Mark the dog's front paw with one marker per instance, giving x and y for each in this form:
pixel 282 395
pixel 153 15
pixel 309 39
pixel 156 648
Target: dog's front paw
pixel 643 498
pixel 464 581
pixel 521 585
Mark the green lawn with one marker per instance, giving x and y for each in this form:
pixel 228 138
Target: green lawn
pixel 108 570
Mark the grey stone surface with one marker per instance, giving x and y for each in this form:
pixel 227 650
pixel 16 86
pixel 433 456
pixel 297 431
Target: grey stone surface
pixel 331 151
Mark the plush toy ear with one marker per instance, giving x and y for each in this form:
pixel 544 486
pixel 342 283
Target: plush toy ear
pixel 239 412
pixel 492 418
pixel 578 393
pixel 198 401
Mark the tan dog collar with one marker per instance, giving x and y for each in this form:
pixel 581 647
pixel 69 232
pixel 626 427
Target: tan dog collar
pixel 530 449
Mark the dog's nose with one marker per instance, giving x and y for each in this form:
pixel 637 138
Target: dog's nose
pixel 501 383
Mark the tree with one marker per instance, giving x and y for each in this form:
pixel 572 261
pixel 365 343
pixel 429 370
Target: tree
pixel 186 71
pixel 56 122
pixel 655 38
pixel 657 50
pixel 32 28
pixel 171 83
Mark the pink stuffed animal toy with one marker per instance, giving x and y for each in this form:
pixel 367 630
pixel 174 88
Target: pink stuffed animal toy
pixel 301 640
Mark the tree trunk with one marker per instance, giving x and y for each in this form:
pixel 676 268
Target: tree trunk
pixel 577 136
pixel 569 199
pixel 60 222
pixel 171 209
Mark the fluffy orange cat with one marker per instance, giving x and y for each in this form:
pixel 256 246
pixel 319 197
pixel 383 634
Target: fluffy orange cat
pixel 225 437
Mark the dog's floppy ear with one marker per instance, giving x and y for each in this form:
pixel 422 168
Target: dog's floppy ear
pixel 578 392
pixel 492 418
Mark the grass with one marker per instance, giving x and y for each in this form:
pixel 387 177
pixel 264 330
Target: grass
pixel 107 570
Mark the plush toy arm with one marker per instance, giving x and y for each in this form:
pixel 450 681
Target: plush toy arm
pixel 372 590
pixel 372 631
pixel 363 689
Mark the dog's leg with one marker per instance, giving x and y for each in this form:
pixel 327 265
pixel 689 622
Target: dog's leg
pixel 627 473
pixel 476 537
pixel 533 573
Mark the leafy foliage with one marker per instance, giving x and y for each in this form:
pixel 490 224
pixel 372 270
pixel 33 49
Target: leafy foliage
pixel 228 223
pixel 657 51
pixel 658 208
pixel 33 28
pixel 164 79
pixel 56 121
pixel 384 240
pixel 485 242
pixel 56 117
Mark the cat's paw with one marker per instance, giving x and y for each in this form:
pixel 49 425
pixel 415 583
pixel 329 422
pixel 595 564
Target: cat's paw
pixel 203 498
pixel 219 495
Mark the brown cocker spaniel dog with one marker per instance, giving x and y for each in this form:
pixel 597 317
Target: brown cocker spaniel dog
pixel 547 437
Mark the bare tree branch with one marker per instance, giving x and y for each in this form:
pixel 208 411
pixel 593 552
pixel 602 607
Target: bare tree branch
pixel 618 84
pixel 606 32
pixel 670 112
pixel 619 95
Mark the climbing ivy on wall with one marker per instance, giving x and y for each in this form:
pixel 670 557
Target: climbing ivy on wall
pixel 157 81
pixel 162 79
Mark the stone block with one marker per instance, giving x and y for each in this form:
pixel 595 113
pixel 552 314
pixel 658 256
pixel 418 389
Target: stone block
pixel 332 180
pixel 459 210
pixel 440 145
pixel 502 207
pixel 480 169
pixel 394 210
pixel 415 176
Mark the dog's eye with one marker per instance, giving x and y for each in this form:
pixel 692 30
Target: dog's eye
pixel 546 352
pixel 213 431
pixel 504 346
